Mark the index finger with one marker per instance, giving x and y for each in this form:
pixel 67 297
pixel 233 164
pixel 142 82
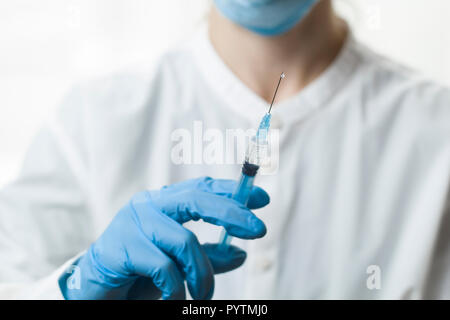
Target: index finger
pixel 224 187
pixel 236 218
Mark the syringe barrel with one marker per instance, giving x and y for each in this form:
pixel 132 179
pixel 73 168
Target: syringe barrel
pixel 244 188
pixel 242 192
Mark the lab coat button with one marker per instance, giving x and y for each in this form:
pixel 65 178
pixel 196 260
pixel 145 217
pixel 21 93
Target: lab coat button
pixel 266 264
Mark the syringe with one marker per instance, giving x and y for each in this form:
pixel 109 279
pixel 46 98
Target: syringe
pixel 253 159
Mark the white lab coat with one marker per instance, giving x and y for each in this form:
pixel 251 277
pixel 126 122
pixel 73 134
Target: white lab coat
pixel 358 204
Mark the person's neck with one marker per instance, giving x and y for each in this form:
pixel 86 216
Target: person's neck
pixel 303 53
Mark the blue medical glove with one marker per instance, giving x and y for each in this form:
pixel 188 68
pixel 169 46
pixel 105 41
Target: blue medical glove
pixel 145 252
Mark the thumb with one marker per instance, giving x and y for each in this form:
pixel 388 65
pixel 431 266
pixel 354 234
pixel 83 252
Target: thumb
pixel 224 258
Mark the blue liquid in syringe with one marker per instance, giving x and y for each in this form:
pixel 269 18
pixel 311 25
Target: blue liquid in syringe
pixel 241 195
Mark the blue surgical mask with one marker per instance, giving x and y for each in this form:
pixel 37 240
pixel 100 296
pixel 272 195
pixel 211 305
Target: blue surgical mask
pixel 266 17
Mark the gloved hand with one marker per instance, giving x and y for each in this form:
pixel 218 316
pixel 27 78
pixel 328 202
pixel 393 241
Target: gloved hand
pixel 146 252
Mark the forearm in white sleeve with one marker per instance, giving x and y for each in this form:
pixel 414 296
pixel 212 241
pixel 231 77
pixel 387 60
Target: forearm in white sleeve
pixel 45 213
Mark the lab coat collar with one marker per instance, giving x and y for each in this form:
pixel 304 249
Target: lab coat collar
pixel 246 103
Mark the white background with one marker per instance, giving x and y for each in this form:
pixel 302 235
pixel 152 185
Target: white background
pixel 47 45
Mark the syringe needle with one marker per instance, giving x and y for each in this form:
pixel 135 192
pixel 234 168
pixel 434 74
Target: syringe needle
pixel 276 90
